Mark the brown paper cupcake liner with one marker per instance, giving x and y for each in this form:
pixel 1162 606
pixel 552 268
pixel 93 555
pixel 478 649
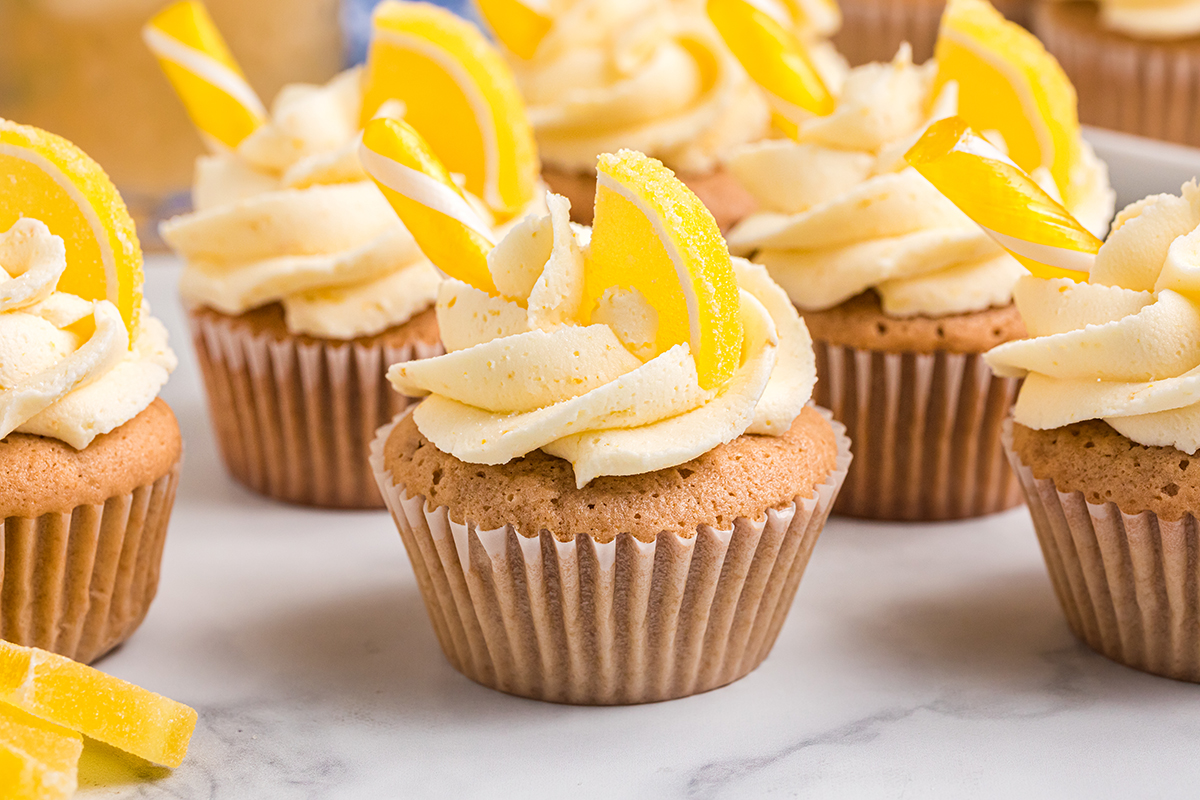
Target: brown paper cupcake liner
pixel 926 430
pixel 1138 86
pixel 294 419
pixel 1129 584
pixel 80 582
pixel 608 623
pixel 872 30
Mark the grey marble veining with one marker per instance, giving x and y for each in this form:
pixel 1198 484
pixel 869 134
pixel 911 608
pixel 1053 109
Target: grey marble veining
pixel 918 661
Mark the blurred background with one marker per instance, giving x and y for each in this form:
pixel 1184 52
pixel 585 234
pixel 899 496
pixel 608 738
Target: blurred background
pixel 79 68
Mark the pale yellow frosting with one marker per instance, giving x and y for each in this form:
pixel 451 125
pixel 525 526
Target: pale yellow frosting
pixel 650 75
pixel 521 373
pixel 842 212
pixel 1125 346
pixel 53 381
pixel 291 217
pixel 1152 19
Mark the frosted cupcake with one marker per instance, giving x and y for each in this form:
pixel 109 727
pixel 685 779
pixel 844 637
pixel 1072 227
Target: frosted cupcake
pixel 613 483
pixel 89 457
pixel 650 75
pixel 301 284
pixel 872 30
pixel 902 292
pixel 1136 65
pixel 1106 429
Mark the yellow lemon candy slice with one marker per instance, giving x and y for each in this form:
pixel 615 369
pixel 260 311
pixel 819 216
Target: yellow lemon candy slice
pixel 75 696
pixel 518 25
pixel 428 201
pixel 460 94
pixel 199 65
pixel 652 235
pixel 38 760
pixel 775 59
pixel 1004 201
pixel 1009 83
pixel 52 180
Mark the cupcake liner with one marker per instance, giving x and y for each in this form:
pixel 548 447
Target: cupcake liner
pixel 926 430
pixel 1129 584
pixel 1138 86
pixel 608 623
pixel 872 30
pixel 80 582
pixel 294 419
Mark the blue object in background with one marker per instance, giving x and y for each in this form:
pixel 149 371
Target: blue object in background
pixel 356 22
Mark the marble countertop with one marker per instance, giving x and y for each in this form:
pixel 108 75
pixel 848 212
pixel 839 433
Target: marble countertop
pixel 918 661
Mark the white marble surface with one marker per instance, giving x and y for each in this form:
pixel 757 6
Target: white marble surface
pixel 918 661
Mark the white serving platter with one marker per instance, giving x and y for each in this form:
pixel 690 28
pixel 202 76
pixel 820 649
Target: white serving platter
pixel 918 661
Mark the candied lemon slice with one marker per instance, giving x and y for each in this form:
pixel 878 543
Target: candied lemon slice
pixel 197 62
pixel 38 759
pixel 75 696
pixel 1004 200
pixel 447 229
pixel 653 236
pixel 775 59
pixel 517 24
pixel 462 97
pixel 52 180
pixel 1008 83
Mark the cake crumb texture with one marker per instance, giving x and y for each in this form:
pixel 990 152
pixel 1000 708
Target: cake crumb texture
pixel 1093 458
pixel 270 319
pixel 743 478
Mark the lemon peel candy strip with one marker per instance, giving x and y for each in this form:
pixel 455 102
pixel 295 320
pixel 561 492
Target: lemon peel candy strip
pixel 517 24
pixel 1004 200
pixel 200 67
pixel 448 230
pixel 775 59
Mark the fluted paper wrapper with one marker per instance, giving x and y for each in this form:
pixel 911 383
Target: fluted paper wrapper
pixel 294 420
pixel 79 582
pixel 608 623
pixel 872 30
pixel 1147 88
pixel 926 430
pixel 1129 584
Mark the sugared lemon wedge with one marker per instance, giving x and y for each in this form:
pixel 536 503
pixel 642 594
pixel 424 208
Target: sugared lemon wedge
pixel 198 63
pixel 1004 200
pixel 458 92
pixel 426 198
pixel 653 236
pixel 49 179
pixel 775 59
pixel 520 25
pixel 1008 83
pixel 38 760
pixel 75 696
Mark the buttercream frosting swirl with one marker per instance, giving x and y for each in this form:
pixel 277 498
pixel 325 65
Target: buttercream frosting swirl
pixel 1152 19
pixel 291 217
pixel 651 75
pixel 522 373
pixel 842 212
pixel 1123 347
pixel 67 369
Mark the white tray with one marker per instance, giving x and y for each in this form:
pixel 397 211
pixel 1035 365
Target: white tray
pixel 918 661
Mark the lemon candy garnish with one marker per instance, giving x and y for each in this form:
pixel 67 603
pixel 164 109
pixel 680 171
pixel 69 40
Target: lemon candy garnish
pixel 776 59
pixel 520 25
pixel 38 760
pixel 1004 200
pixel 458 91
pixel 196 60
pixel 426 198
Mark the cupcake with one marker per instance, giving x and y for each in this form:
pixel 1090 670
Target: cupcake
pixel 1105 431
pixel 301 284
pixel 872 30
pixel 651 75
pixel 1136 66
pixel 89 457
pixel 614 481
pixel 901 291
